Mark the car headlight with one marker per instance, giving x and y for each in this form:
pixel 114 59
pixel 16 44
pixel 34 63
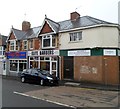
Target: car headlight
pixel 49 78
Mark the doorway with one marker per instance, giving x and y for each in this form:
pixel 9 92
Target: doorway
pixel 68 67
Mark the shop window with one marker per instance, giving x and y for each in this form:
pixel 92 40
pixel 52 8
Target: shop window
pixel 48 41
pixel 13 66
pixel 45 66
pixel 22 66
pixel 76 36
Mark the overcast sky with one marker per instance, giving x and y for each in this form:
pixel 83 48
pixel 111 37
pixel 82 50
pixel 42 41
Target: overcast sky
pixel 14 12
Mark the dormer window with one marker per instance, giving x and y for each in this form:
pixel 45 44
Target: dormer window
pixel 48 41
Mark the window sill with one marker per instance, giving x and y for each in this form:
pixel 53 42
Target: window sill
pixel 48 47
pixel 75 41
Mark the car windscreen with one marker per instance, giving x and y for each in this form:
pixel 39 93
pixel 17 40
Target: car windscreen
pixel 44 72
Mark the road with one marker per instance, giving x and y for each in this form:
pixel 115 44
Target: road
pixel 17 94
pixel 12 98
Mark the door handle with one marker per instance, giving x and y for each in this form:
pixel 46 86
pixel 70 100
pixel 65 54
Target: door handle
pixel 67 69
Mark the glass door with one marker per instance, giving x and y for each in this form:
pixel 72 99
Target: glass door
pixel 54 68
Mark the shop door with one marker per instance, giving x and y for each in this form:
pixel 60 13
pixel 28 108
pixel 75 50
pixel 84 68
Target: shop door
pixel 54 68
pixel 68 67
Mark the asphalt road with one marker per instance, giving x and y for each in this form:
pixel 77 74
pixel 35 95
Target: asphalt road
pixel 12 99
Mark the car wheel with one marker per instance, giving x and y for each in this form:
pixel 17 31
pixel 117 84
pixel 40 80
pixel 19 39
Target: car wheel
pixel 23 79
pixel 41 82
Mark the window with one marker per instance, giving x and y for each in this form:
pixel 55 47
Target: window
pixel 48 41
pixel 77 36
pixel 12 45
pixel 31 44
pixel 25 44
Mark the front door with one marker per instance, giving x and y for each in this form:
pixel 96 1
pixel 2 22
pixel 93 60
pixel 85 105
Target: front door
pixel 68 67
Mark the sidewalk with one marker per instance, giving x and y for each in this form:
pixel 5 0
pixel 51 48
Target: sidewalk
pixel 78 84
pixel 90 85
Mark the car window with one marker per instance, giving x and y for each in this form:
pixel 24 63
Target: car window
pixel 29 71
pixel 34 71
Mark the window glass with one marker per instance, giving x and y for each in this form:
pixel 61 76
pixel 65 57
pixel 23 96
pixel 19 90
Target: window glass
pixel 77 36
pixel 31 43
pixel 13 66
pixel 25 44
pixel 46 42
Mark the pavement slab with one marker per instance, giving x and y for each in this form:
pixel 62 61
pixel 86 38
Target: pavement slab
pixel 78 97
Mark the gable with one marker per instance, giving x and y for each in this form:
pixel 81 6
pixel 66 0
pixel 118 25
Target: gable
pixel 12 36
pixel 46 28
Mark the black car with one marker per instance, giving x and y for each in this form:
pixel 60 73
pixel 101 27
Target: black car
pixel 40 76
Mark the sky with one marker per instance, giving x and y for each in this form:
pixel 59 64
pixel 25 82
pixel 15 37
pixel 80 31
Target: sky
pixel 14 12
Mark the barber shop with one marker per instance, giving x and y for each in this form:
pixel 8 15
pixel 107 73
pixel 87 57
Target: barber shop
pixel 45 60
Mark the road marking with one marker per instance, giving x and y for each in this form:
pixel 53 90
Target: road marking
pixel 18 93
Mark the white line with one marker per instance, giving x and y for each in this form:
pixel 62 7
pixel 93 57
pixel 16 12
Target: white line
pixel 18 93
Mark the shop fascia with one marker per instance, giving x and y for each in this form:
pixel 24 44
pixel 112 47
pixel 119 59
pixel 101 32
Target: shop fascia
pixel 44 53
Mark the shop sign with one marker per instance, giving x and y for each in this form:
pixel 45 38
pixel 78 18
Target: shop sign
pixel 110 52
pixel 79 53
pixel 49 52
pixel 16 55
pixel 43 52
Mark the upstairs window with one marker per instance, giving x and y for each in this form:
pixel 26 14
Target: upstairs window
pixel 12 45
pixel 25 44
pixel 31 44
pixel 48 41
pixel 76 36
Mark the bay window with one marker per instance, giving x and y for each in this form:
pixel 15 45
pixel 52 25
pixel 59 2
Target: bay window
pixel 25 44
pixel 48 41
pixel 12 45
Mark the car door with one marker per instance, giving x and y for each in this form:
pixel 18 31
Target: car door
pixel 28 74
pixel 34 75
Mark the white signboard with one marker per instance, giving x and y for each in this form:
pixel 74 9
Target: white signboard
pixel 49 52
pixel 110 52
pixel 79 53
pixel 44 53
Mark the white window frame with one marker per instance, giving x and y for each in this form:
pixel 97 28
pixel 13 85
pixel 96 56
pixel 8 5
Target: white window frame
pixel 75 36
pixel 25 46
pixel 31 43
pixel 14 45
pixel 51 41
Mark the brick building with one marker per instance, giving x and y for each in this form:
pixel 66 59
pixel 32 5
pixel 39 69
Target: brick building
pixel 82 48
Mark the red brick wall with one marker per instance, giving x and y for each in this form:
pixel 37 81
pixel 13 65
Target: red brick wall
pixel 12 36
pixel 96 69
pixel 111 70
pixel 46 29
pixel 88 68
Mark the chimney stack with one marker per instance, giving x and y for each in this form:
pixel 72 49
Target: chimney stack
pixel 74 15
pixel 25 25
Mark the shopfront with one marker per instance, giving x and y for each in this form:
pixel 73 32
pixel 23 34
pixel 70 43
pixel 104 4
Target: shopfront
pixel 17 62
pixel 45 60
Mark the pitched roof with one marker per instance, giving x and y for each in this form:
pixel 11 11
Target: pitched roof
pixel 81 22
pixel 3 38
pixel 21 35
pixel 66 25
pixel 53 24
